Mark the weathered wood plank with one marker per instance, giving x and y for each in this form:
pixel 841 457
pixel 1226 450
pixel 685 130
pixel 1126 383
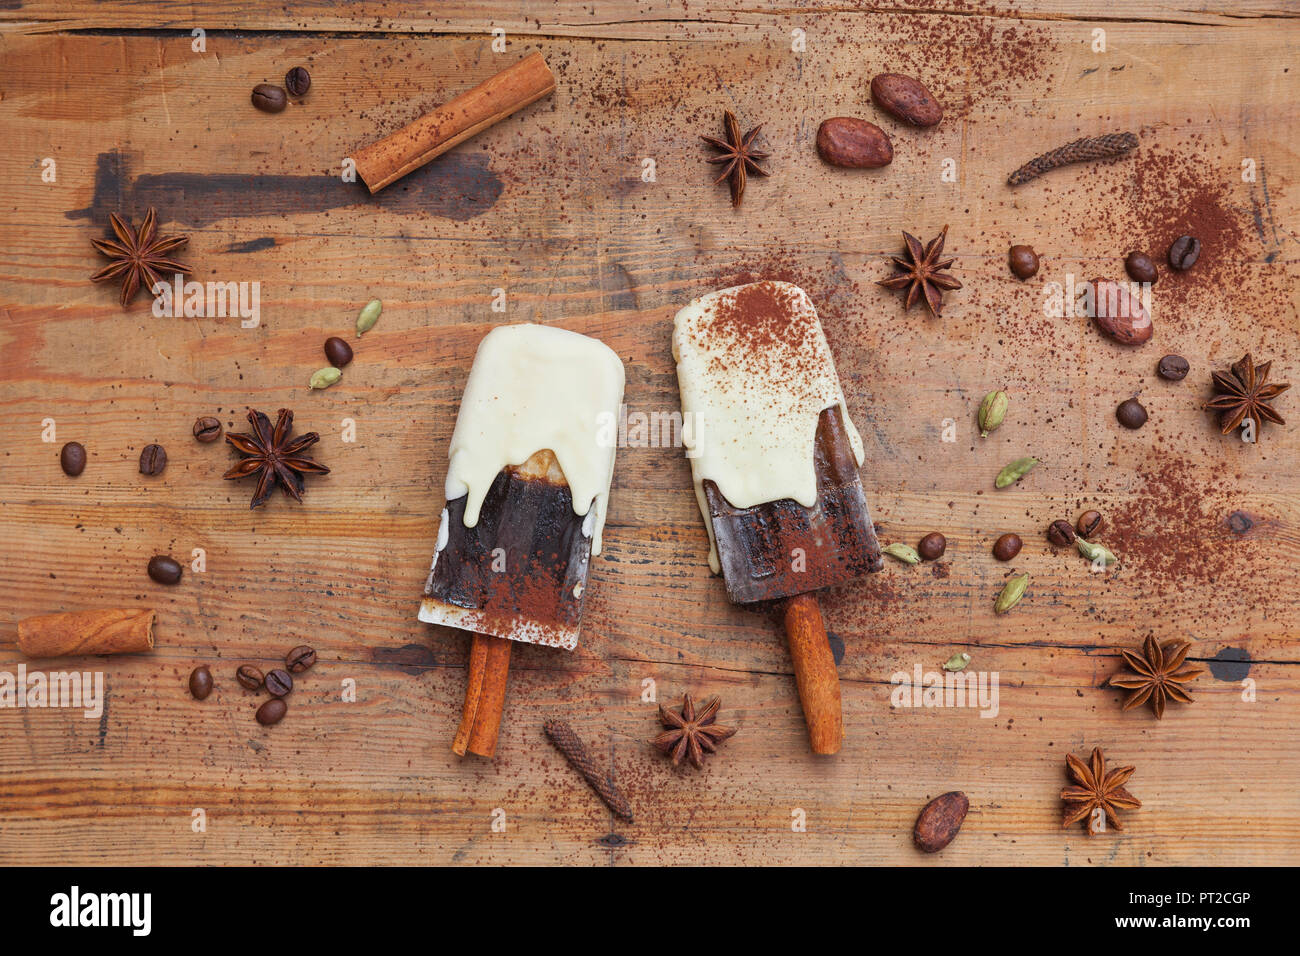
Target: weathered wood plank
pixel 550 206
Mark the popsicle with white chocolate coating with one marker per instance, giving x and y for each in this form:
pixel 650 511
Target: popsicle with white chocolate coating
pixel 774 458
pixel 531 464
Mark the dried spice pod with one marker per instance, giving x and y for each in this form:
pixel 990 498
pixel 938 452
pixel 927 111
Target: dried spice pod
pixel 1096 790
pixel 1243 393
pixel 274 457
pixel 691 734
pixel 922 273
pixel 1013 472
pixel 368 316
pixel 738 157
pixel 940 820
pixel 325 377
pixel 993 411
pixel 1079 151
pixel 1096 553
pixel 567 742
pixel 902 552
pixel 1011 594
pixel 139 257
pixel 1157 675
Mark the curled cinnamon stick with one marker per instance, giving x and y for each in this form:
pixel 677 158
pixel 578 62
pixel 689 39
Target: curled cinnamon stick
pixel 392 157
pixel 107 631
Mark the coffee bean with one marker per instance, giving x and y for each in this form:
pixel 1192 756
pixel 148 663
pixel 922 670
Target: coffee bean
pixel 278 682
pixel 906 98
pixel 932 546
pixel 300 659
pixel 1173 367
pixel 1088 524
pixel 201 682
pixel 1184 252
pixel 297 81
pixel 939 822
pixel 1023 261
pixel 337 351
pixel 153 459
pixel 1140 268
pixel 207 429
pixel 1131 414
pixel 268 98
pixel 1060 533
pixel 1007 547
pixel 272 712
pixel 853 143
pixel 164 570
pixel 72 459
pixel 249 677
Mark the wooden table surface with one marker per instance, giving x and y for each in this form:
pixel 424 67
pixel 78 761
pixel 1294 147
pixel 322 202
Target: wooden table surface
pixel 554 207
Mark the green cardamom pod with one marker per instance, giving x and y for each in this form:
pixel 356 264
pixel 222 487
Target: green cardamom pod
pixel 325 377
pixel 957 662
pixel 903 553
pixel 1014 472
pixel 1095 552
pixel 992 411
pixel 369 316
pixel 1011 594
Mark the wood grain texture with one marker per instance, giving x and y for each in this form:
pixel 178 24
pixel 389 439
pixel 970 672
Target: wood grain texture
pixel 550 205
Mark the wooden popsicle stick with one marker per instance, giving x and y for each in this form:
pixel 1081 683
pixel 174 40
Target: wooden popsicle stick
pixel 389 159
pixel 815 673
pixel 485 696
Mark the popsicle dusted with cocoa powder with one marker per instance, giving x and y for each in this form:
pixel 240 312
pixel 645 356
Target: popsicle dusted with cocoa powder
pixel 531 463
pixel 775 459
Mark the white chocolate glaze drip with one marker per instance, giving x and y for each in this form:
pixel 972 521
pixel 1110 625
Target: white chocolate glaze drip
pixel 534 387
pixel 755 374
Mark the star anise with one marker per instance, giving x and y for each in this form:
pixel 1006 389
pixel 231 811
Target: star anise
pixel 690 734
pixel 1158 673
pixel 139 256
pixel 274 457
pixel 1244 393
pixel 921 273
pixel 739 155
pixel 1097 788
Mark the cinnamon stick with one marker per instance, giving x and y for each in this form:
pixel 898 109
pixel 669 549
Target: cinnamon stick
pixel 485 696
pixel 384 162
pixel 107 631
